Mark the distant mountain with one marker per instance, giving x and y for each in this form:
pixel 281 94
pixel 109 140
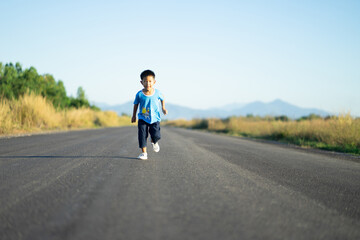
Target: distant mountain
pixel 277 108
pixel 274 108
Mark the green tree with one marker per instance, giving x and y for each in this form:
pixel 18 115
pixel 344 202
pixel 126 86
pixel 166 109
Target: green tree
pixel 16 81
pixel 80 100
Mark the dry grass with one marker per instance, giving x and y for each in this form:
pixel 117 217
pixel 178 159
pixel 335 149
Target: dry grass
pixel 5 117
pixel 111 119
pixel 34 113
pixel 341 133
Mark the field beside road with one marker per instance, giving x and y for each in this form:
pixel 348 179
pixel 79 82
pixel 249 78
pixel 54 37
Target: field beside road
pixel 335 133
pixel 34 113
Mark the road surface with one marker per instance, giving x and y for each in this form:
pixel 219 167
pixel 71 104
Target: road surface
pixel 89 185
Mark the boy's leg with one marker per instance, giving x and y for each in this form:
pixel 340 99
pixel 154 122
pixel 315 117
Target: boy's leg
pixel 142 134
pixel 154 130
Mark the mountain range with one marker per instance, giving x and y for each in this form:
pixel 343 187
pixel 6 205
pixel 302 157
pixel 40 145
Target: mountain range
pixel 257 108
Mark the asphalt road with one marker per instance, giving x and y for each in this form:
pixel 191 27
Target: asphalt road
pixel 89 185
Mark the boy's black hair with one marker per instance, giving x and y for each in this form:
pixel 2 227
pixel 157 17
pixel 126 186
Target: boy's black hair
pixel 147 73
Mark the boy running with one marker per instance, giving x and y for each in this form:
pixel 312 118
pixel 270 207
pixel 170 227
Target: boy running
pixel 149 113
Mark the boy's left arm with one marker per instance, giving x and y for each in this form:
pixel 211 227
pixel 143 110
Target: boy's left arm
pixel 163 107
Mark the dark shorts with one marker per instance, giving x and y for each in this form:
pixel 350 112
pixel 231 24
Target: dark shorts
pixel 144 129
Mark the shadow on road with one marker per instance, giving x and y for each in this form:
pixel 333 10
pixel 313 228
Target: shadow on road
pixel 71 157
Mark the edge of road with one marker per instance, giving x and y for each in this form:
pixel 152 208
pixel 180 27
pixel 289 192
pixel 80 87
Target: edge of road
pixel 338 155
pixel 28 134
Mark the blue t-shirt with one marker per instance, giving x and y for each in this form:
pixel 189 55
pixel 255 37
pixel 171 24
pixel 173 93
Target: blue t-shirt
pixel 149 109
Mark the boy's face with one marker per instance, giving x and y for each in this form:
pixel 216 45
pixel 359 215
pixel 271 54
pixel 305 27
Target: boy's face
pixel 148 82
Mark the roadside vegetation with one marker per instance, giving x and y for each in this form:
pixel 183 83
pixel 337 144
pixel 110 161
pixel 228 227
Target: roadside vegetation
pixel 31 102
pixel 336 133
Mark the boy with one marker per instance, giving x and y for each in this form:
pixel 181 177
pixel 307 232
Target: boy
pixel 149 113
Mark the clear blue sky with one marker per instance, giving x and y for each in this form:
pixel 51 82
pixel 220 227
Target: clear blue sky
pixel 204 53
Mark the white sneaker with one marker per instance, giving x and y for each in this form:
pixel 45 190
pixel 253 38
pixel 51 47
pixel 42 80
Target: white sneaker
pixel 143 156
pixel 156 147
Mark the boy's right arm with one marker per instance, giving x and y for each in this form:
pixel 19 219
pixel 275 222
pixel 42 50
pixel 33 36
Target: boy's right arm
pixel 133 119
